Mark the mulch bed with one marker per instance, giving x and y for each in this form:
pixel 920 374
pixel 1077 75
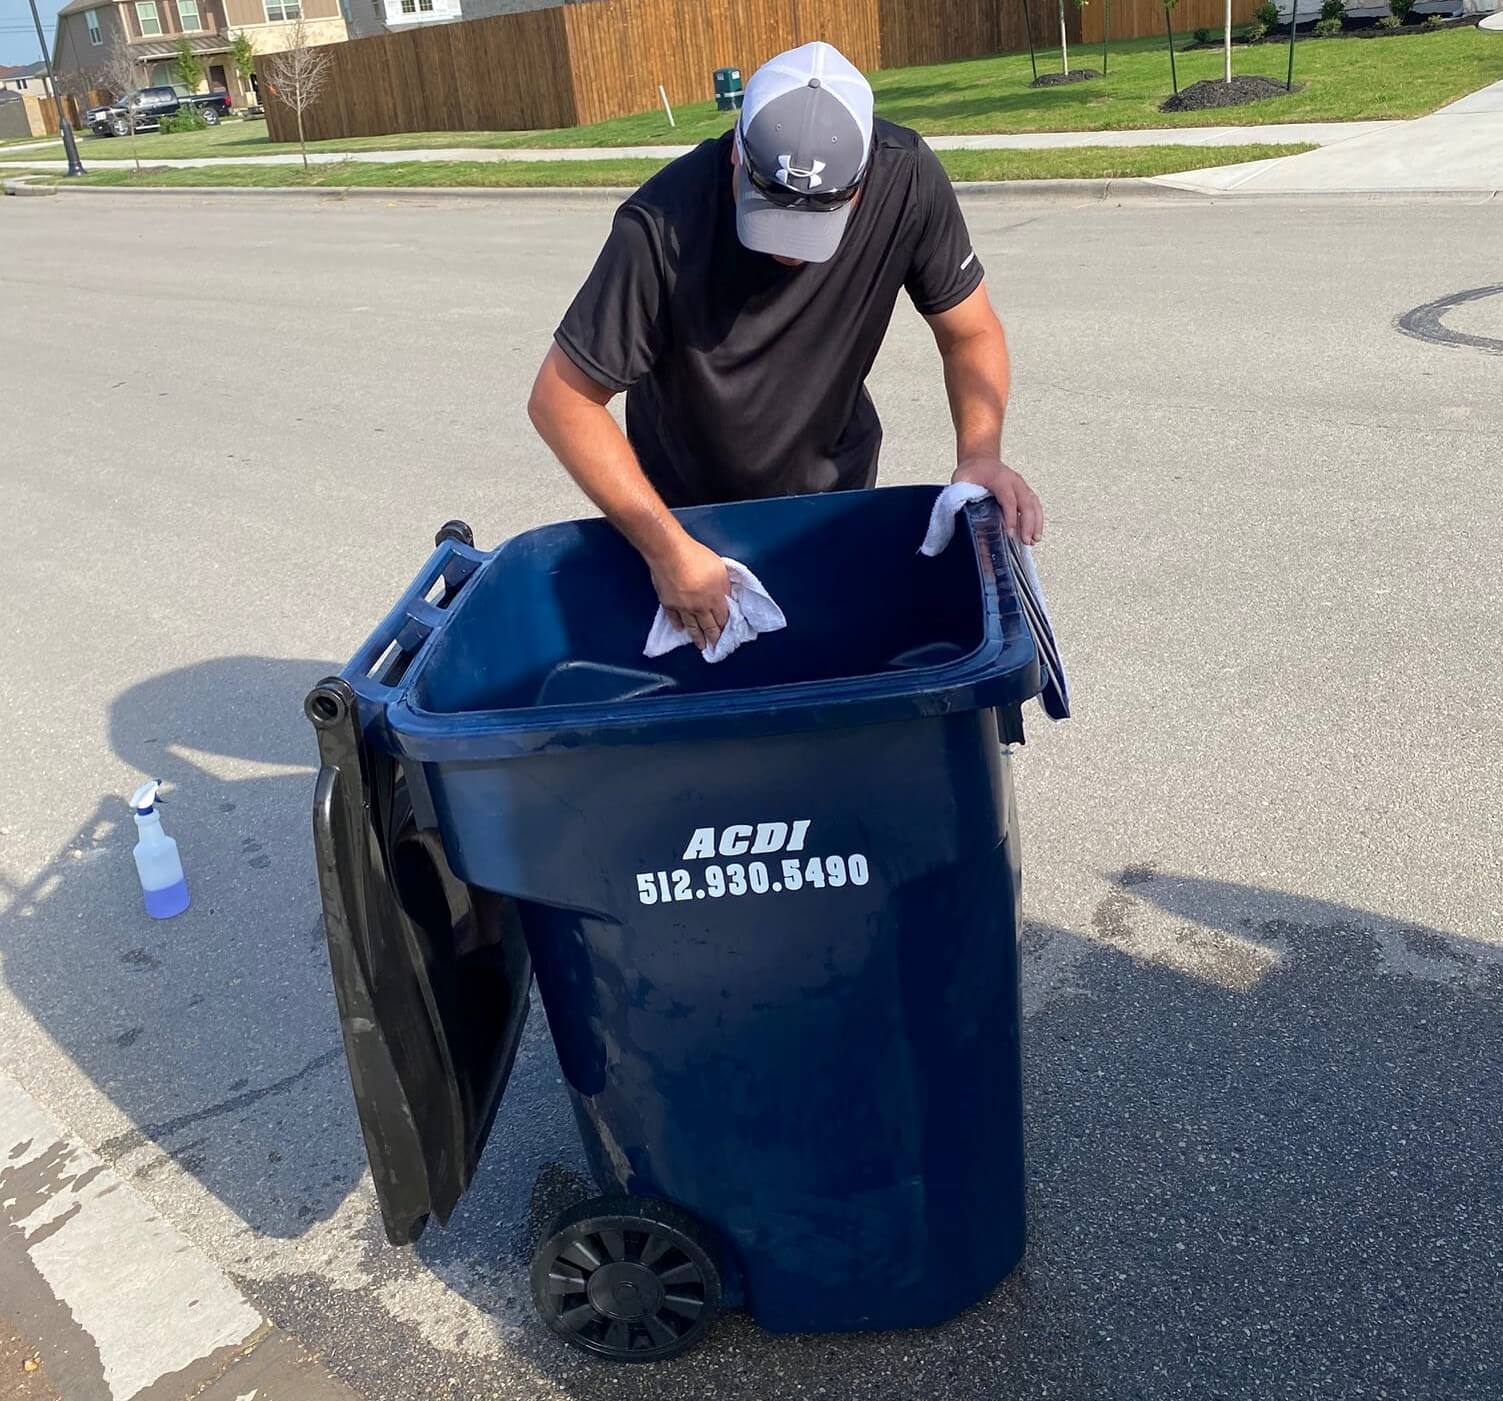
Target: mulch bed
pixel 1055 80
pixel 1213 92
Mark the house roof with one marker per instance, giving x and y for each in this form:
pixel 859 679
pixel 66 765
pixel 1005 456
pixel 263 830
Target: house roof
pixel 25 70
pixel 74 6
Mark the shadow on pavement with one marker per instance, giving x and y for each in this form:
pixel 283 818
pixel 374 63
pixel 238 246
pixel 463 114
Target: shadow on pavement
pixel 1263 1138
pixel 1263 1129
pixel 214 1033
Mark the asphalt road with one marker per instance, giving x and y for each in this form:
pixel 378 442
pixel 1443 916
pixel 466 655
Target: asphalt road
pixel 1264 959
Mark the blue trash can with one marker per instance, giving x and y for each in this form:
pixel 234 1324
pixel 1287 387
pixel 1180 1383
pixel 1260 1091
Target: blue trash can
pixel 771 906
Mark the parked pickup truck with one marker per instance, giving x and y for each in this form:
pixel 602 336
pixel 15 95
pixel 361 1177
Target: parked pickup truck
pixel 150 105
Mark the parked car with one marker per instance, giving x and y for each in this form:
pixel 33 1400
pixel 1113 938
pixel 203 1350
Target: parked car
pixel 150 105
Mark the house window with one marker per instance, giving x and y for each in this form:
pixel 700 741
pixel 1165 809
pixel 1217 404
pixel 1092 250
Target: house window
pixel 187 14
pixel 91 18
pixel 147 17
pixel 412 7
pixel 277 10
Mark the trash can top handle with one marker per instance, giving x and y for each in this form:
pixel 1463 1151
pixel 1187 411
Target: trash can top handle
pixel 385 655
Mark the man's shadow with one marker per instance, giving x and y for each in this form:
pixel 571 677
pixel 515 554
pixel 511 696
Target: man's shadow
pixel 1258 1126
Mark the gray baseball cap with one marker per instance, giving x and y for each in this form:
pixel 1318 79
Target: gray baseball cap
pixel 805 139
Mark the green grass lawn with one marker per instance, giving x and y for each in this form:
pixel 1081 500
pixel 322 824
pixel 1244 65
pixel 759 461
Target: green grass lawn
pixel 1344 80
pixel 1083 162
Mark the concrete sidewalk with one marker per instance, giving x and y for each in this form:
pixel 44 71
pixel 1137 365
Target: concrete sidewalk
pixel 1292 133
pixel 1458 148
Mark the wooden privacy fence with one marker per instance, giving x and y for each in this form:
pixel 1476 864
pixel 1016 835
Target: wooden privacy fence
pixel 581 63
pixel 1132 18
pixel 37 116
pixel 75 106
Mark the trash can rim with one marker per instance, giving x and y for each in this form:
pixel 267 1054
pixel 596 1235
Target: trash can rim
pixel 978 680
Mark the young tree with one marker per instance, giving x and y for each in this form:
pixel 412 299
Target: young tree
pixel 243 55
pixel 1293 34
pixel 1064 44
pixel 1169 29
pixel 297 77
pixel 1033 61
pixel 1106 32
pixel 120 74
pixel 190 72
pixel 77 87
pixel 1228 46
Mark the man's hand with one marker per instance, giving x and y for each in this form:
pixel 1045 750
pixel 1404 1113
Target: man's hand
pixel 1022 511
pixel 694 588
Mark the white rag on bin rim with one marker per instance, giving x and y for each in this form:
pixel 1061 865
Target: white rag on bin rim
pixel 752 612
pixel 1055 697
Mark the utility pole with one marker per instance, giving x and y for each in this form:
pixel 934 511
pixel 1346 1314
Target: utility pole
pixel 64 126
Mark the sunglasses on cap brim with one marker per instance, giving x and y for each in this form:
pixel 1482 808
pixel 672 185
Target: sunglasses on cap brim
pixel 785 197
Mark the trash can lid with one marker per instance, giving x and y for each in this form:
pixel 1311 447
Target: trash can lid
pixel 540 646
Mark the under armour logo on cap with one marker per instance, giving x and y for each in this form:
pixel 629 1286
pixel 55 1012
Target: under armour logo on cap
pixel 788 172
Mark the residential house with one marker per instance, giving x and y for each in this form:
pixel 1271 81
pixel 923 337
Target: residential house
pixel 30 78
pixel 367 17
pixel 152 30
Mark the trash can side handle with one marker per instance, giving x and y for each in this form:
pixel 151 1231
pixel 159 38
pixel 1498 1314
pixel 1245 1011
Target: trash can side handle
pixel 381 661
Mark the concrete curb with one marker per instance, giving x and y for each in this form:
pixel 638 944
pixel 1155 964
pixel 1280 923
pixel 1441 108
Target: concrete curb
pixel 550 194
pixel 1145 189
pixel 1121 189
pixel 23 185
pixel 111 1297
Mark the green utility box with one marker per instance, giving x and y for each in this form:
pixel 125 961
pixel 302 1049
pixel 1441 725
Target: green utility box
pixel 729 91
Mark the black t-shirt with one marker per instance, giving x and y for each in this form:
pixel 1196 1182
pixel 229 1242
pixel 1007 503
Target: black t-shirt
pixel 743 377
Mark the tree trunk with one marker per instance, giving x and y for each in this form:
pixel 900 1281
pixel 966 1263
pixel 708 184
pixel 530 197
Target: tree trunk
pixel 301 142
pixel 1033 62
pixel 1169 29
pixel 1228 40
pixel 1064 46
pixel 1106 32
pixel 135 150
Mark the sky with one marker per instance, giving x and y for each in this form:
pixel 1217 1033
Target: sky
pixel 18 37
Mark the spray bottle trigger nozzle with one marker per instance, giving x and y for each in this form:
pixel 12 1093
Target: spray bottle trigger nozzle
pixel 146 797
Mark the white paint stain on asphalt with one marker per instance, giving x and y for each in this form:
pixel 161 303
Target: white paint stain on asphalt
pixel 151 1302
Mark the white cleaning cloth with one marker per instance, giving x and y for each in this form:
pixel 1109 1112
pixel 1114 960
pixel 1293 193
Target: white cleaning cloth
pixel 947 505
pixel 942 518
pixel 752 612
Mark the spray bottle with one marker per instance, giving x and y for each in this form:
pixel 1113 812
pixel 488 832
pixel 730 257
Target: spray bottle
pixel 157 862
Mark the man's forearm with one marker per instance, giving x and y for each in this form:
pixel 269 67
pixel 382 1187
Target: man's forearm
pixel 589 443
pixel 974 350
pixel 976 381
pixel 569 411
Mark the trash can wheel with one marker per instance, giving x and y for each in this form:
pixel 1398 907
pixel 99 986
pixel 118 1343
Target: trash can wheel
pixel 627 1278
